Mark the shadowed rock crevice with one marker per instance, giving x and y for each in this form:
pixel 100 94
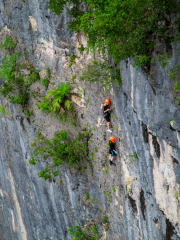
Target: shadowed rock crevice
pixel 143 203
pixel 169 230
pixel 145 132
pixel 132 203
pixel 156 146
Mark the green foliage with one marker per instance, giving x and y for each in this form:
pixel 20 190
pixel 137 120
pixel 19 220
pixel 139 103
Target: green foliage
pixel 8 44
pixel 81 234
pixel 163 59
pixel 86 197
pixel 108 194
pixel 81 49
pixel 141 60
pixel 113 189
pixel 101 72
pixel 173 71
pixel 16 83
pixel 2 111
pixel 45 82
pixel 73 77
pixel 57 102
pixel 87 100
pixel 176 194
pixel 71 60
pixel 60 149
pixel 105 220
pixel 55 173
pixel 121 28
pixel 93 200
pixel 134 156
pixel 116 128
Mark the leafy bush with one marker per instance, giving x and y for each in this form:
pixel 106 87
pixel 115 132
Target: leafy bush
pixel 80 234
pixel 58 102
pixel 45 82
pixel 105 220
pixel 16 84
pixel 101 72
pixel 163 59
pixel 141 60
pixel 121 28
pixel 61 149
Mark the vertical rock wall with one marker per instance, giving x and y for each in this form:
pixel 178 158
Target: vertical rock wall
pixel 143 205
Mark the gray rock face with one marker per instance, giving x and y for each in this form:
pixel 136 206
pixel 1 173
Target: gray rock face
pixel 141 203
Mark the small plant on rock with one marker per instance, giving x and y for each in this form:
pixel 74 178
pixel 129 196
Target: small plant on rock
pixel 176 194
pixel 86 197
pixel 71 60
pixel 134 156
pixel 2 111
pixel 105 221
pixel 81 234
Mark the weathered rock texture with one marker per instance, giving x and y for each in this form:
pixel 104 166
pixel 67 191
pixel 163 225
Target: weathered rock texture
pixel 143 205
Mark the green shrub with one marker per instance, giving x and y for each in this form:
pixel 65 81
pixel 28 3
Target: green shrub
pixel 164 59
pixel 60 149
pixel 81 234
pixel 141 60
pixel 121 28
pixel 16 84
pixel 58 102
pixel 2 111
pixel 104 220
pixel 101 72
pixel 45 82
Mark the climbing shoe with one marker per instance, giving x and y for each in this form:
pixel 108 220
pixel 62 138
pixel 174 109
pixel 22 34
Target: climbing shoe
pixel 112 164
pixel 108 130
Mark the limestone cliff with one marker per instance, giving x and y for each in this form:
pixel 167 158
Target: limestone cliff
pixel 143 205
